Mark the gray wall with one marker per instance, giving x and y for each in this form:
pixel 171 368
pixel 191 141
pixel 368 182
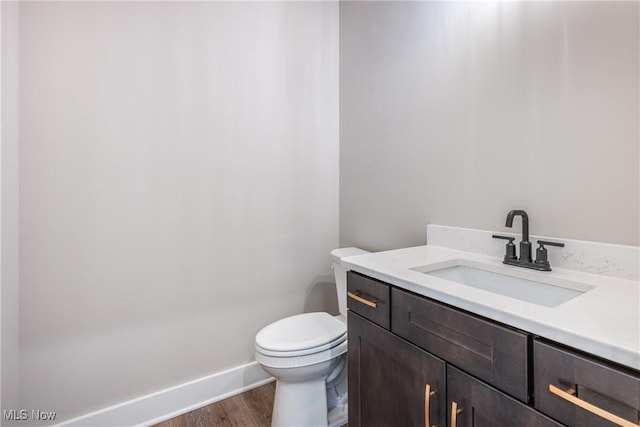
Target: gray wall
pixel 9 191
pixel 455 113
pixel 178 188
pixel 178 164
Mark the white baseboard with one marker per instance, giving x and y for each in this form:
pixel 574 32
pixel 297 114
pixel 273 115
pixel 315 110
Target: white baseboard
pixel 164 404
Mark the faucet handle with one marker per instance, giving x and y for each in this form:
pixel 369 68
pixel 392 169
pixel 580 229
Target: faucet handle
pixel 511 248
pixel 541 253
pixel 510 239
pixel 544 242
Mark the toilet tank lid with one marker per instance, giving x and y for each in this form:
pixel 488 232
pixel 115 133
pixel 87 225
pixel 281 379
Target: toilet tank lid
pixel 338 254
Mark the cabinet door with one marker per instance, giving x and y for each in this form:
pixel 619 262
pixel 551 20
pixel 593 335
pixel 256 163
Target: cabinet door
pixel 473 403
pixel 391 382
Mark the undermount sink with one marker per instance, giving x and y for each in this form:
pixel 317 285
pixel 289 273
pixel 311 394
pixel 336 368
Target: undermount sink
pixel 545 291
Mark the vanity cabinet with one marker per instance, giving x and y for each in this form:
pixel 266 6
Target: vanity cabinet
pixel 414 361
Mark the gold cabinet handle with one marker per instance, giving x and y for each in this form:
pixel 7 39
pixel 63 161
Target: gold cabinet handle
pixel 454 414
pixel 568 396
pixel 357 297
pixel 427 398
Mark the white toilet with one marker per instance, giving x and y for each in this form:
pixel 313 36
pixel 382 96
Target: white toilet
pixel 307 355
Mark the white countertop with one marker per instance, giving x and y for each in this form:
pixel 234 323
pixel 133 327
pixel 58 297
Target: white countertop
pixel 604 321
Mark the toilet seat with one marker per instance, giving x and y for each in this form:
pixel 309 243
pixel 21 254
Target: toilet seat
pixel 301 361
pixel 304 333
pixel 302 352
pixel 301 340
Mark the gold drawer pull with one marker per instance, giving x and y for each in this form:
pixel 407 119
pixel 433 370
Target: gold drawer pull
pixel 454 414
pixel 427 397
pixel 357 297
pixel 568 396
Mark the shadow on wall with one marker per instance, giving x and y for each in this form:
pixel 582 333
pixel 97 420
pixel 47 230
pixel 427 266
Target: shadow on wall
pixel 322 296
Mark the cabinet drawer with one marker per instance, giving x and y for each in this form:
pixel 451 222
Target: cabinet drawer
pixel 493 353
pixel 473 403
pixel 584 391
pixel 369 298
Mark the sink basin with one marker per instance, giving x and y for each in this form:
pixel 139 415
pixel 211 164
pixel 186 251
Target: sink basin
pixel 545 291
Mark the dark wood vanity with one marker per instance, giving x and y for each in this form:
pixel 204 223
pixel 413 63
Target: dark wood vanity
pixel 414 361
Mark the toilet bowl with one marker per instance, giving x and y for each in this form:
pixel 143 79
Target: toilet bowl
pixel 306 354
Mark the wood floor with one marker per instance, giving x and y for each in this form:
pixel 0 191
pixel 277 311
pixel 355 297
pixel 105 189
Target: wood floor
pixel 249 409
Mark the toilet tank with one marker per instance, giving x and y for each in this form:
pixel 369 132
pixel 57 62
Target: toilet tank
pixel 340 274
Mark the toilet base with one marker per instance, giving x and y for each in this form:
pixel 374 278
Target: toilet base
pixel 300 404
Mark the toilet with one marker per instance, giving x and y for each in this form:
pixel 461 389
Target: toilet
pixel 307 355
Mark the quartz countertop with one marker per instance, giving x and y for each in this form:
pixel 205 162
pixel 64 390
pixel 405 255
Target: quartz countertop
pixel 604 321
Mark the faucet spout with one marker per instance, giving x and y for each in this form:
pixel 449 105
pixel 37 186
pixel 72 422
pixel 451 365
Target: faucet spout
pixel 525 244
pixel 525 222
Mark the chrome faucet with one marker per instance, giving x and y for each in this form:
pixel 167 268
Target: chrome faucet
pixel 541 262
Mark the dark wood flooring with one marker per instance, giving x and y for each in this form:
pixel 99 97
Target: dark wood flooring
pixel 251 408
